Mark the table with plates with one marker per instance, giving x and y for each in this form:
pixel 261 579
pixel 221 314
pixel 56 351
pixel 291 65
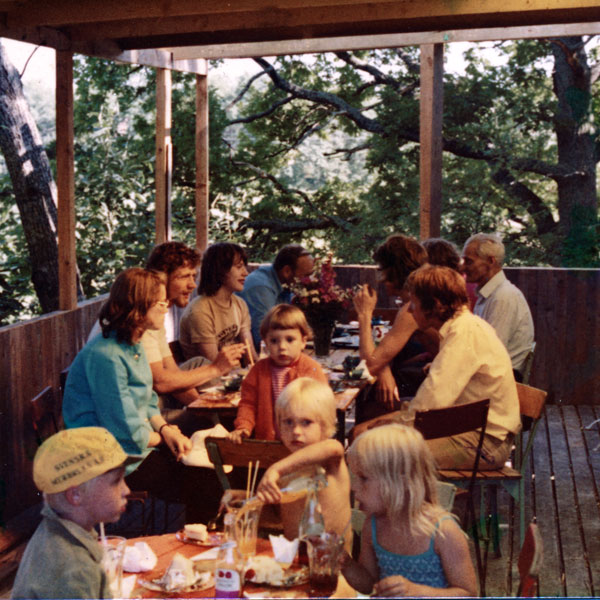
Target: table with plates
pixel 166 546
pixel 220 403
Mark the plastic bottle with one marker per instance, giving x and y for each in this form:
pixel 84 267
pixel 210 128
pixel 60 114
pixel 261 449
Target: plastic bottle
pixel 228 580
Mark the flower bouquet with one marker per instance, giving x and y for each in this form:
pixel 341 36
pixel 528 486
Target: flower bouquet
pixel 322 301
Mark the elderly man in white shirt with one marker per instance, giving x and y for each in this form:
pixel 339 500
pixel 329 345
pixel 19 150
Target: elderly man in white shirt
pixel 472 364
pixel 499 302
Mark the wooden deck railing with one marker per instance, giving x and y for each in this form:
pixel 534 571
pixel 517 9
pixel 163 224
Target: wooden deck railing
pixel 32 355
pixel 564 304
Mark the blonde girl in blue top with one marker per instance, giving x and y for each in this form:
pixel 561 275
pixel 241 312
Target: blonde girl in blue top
pixel 410 546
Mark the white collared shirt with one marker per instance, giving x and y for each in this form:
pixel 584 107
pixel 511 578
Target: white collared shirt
pixel 503 306
pixel 472 365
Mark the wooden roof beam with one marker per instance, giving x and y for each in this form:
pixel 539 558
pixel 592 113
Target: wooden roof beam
pixel 156 58
pixel 327 21
pixel 31 13
pixel 369 42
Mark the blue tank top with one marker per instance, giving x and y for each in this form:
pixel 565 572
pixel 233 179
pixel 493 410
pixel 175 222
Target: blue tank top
pixel 425 568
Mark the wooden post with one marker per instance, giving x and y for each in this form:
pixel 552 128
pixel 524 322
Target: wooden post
pixel 202 160
pixel 164 158
pixel 65 182
pixel 432 106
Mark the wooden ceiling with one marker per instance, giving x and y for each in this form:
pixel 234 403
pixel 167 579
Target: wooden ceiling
pixel 112 26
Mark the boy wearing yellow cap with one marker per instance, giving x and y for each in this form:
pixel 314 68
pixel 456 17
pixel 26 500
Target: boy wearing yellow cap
pixel 80 472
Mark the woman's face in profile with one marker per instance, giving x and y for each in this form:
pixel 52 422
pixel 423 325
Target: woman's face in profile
pixel 155 317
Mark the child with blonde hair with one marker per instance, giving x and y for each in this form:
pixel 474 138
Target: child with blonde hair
pixel 410 546
pixel 306 415
pixel 285 332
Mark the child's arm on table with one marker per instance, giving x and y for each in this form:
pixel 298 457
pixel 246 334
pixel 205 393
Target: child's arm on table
pixel 363 574
pixel 456 561
pixel 327 453
pixel 245 419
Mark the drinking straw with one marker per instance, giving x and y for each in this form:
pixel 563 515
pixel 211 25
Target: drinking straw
pixel 250 357
pixel 254 478
pixel 248 481
pixel 102 534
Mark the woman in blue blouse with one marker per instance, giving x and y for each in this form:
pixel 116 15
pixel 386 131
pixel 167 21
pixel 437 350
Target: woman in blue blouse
pixel 110 385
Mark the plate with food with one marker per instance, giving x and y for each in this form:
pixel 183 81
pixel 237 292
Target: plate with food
pixel 265 570
pixel 196 533
pixel 181 576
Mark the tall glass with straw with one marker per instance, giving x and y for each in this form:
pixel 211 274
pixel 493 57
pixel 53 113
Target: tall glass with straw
pixel 113 550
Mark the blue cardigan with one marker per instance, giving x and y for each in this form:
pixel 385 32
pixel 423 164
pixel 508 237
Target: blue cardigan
pixel 110 385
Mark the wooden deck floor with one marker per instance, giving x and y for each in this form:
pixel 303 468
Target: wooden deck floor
pixel 562 494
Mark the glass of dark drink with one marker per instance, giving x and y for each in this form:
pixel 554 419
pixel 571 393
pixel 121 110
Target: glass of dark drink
pixel 323 563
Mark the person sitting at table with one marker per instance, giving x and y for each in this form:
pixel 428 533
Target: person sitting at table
pixel 80 473
pixel 110 385
pixel 410 546
pixel 472 364
pixel 501 303
pixel 264 287
pixel 306 417
pixel 285 332
pixel 177 384
pixel 218 317
pixel 399 358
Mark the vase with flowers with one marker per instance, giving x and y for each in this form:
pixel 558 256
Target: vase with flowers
pixel 322 301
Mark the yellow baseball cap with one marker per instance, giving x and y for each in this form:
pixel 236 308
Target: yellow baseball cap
pixel 74 456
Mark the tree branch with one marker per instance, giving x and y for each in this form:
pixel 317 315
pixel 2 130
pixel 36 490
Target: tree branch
pixel 378 76
pixel 326 98
pixel 246 87
pixel 456 147
pixel 265 113
pixel 534 205
pixel 349 151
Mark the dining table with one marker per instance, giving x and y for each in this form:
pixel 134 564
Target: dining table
pixel 215 403
pixel 167 545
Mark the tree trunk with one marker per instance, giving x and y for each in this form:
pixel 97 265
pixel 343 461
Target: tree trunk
pixel 33 183
pixel 575 135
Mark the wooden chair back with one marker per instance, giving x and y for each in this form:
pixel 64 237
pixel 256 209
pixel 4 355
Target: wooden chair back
pixel 531 404
pixel 222 451
pixel 444 422
pixel 45 414
pixel 530 562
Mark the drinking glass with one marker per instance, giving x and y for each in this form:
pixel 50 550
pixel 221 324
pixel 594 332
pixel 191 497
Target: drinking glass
pixel 323 563
pixel 113 550
pixel 241 521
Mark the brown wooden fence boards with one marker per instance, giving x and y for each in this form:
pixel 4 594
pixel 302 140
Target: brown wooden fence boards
pixel 32 354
